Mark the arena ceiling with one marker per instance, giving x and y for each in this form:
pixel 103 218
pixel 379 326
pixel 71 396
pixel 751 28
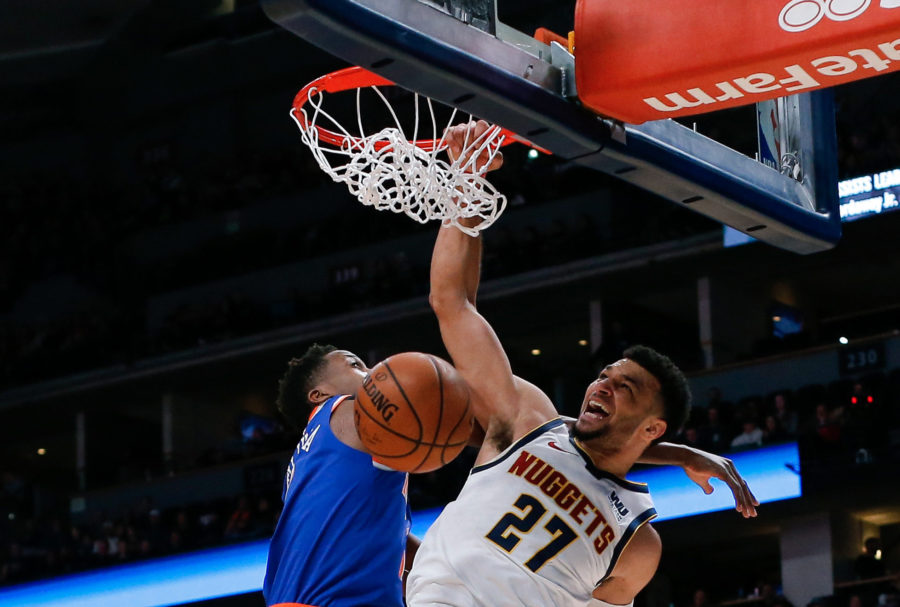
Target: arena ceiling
pixel 47 40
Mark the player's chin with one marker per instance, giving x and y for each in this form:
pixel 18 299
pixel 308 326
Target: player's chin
pixel 584 428
pixel 591 425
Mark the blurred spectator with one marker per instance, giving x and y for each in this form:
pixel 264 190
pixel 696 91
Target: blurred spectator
pixel 751 436
pixel 773 432
pixel 691 437
pixel 210 529
pixel 767 593
pixel 100 552
pixel 111 538
pixel 13 569
pixel 785 415
pixel 239 523
pixel 175 542
pixel 770 596
pixel 747 411
pixel 700 599
pixel 265 517
pixel 145 550
pixel 123 553
pixel 156 533
pixel 186 530
pixel 824 430
pixel 713 435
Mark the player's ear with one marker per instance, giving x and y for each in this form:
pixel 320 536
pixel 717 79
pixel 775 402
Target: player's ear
pixel 655 429
pixel 318 396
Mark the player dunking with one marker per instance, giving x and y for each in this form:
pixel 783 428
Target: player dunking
pixel 547 516
pixel 342 538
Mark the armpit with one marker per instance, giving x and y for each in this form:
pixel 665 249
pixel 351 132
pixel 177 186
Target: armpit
pixel 500 435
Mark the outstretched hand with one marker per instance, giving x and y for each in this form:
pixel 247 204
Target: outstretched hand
pixel 702 466
pixel 461 137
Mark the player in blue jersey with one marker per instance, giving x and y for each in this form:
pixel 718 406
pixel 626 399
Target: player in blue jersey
pixel 343 537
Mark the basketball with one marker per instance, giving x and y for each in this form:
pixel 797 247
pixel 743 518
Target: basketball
pixel 413 413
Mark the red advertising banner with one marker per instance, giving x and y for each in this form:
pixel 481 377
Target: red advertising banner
pixel 643 60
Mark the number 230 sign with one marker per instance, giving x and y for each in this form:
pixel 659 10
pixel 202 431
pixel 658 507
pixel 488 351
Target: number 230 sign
pixel 861 358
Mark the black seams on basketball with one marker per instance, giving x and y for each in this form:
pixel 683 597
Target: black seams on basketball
pixel 413 412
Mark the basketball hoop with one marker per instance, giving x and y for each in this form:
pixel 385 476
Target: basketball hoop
pixel 389 171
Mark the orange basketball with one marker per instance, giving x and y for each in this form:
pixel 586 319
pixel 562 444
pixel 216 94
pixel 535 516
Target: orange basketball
pixel 412 412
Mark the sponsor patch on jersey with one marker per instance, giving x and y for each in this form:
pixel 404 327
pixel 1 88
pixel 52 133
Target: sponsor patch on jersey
pixel 618 507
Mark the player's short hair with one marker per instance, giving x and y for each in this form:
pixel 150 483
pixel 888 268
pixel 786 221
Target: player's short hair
pixel 674 389
pixel 293 388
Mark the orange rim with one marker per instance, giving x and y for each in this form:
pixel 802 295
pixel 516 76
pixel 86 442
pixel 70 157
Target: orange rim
pixel 352 78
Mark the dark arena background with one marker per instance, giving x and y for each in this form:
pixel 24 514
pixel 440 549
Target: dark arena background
pixel 168 244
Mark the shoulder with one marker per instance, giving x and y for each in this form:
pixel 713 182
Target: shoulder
pixel 342 424
pixel 640 557
pixel 644 544
pixel 535 408
pixel 634 569
pixel 507 425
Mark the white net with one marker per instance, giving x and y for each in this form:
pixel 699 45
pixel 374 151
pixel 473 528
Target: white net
pixel 389 171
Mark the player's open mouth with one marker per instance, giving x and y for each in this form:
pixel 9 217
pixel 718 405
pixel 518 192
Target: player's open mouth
pixel 596 409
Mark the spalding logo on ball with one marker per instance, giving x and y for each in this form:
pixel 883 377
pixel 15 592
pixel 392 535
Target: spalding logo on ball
pixel 379 400
pixel 413 412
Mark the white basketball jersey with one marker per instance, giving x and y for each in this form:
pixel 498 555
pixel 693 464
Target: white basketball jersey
pixel 539 525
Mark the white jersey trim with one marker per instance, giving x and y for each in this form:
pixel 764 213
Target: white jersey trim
pixel 530 436
pixel 338 401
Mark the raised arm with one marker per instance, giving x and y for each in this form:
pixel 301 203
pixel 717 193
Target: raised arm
pixel 503 403
pixel 700 467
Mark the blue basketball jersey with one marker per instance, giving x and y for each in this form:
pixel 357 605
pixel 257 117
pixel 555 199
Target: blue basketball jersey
pixel 341 538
